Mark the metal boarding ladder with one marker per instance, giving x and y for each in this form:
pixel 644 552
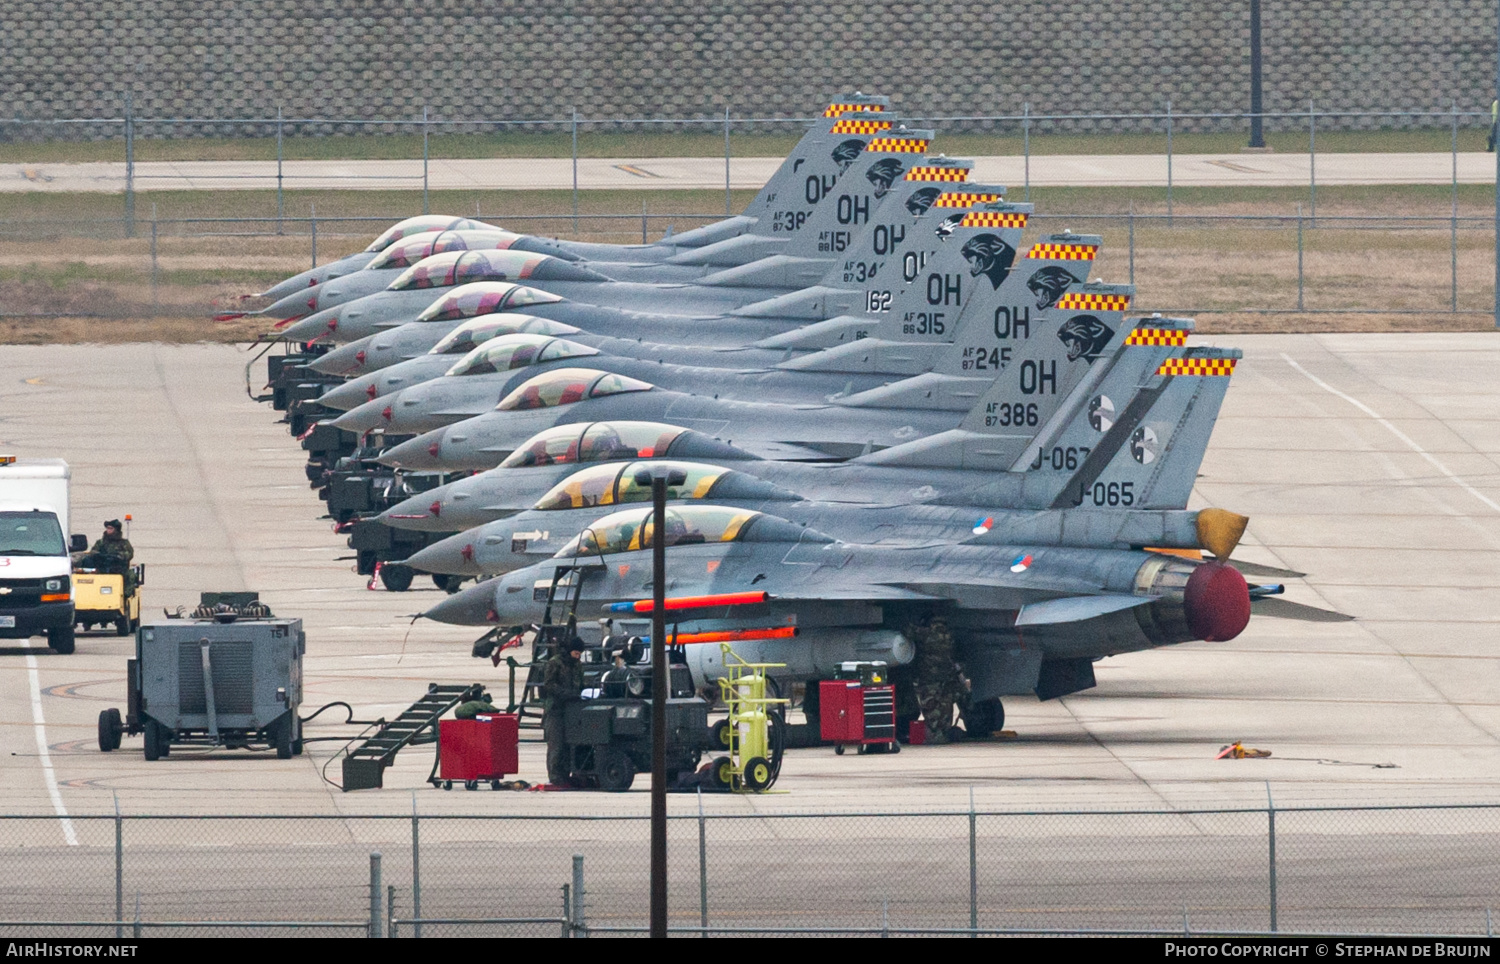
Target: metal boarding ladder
pixel 364 766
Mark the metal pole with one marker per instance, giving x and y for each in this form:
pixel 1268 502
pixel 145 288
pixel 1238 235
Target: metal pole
pixel 660 673
pixel 425 209
pixel 1132 240
pixel 390 910
pixel 313 215
pixel 1453 223
pixel 416 870
pixel 575 172
pixel 376 917
pixel 702 866
pixel 1169 162
pixel 155 267
pixel 1299 257
pixel 129 165
pixel 728 210
pixel 136 929
pixel 1497 174
pixel 1271 838
pixel 120 872
pixel 1257 138
pixel 973 868
pixel 1312 160
pixel 1026 143
pixel 567 923
pixel 578 922
pixel 885 918
pixel 643 222
pixel 280 229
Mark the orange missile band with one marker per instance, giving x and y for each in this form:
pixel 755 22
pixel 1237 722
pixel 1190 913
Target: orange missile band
pixel 734 635
pixel 692 602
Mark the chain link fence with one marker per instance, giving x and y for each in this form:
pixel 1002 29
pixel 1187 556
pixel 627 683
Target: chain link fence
pixel 1304 870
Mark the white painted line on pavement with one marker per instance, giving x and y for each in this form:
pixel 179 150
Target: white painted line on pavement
pixel 1396 432
pixel 40 725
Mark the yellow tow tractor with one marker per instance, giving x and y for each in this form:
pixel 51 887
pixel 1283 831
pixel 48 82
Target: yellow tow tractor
pixel 754 733
pixel 100 599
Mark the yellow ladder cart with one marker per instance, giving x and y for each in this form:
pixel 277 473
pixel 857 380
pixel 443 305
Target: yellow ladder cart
pixel 755 746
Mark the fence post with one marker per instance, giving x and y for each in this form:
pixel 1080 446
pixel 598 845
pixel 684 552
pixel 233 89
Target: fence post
pixel 885 918
pixel 575 174
pixel 376 917
pixel 390 910
pixel 578 919
pixel 155 265
pixel 1312 160
pixel 313 216
pixel 1026 143
pixel 1299 257
pixel 643 222
pixel 1453 229
pixel 425 209
pixel 120 873
pixel 1132 240
pixel 280 228
pixel 567 915
pixel 136 928
pixel 1271 837
pixel 702 866
pixel 1169 161
pixel 973 868
pixel 728 210
pixel 129 165
pixel 416 869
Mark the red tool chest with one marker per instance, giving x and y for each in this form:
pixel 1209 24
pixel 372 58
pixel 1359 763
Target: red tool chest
pixel 855 712
pixel 483 748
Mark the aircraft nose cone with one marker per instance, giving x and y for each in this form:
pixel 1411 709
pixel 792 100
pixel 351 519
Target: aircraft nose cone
pixel 418 453
pixel 1216 602
pixel 451 556
pixel 361 418
pixel 294 305
pixel 370 390
pixel 340 361
pixel 307 329
pixel 343 397
pixel 471 607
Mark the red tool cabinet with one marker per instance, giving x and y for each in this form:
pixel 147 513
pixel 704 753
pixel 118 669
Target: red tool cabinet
pixel 483 748
pixel 855 712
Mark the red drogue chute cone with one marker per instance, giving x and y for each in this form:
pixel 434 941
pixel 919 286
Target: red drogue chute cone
pixel 1216 602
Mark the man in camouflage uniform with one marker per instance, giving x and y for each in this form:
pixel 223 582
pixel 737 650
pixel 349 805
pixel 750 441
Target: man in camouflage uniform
pixel 562 683
pixel 939 684
pixel 111 554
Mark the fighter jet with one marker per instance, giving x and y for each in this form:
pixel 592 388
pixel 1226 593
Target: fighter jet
pixel 814 601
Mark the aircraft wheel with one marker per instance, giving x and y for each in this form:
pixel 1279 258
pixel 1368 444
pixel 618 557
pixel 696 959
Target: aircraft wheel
pixel 757 773
pixel 723 773
pixel 447 583
pixel 62 639
pixel 396 578
pixel 984 718
pixel 110 729
pixel 616 771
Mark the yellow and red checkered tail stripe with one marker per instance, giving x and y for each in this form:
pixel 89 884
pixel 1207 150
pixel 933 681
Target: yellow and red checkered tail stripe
pixel 861 126
pixel 1197 366
pixel 1172 337
pixel 993 219
pixel 937 174
pixel 1093 301
pixel 897 145
pixel 964 199
pixel 835 110
pixel 1064 252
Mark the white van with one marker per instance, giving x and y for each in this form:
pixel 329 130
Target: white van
pixel 36 588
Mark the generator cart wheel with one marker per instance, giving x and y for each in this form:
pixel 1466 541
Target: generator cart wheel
pixel 61 639
pixel 471 784
pixel 122 626
pixel 757 773
pixel 838 749
pixel 396 578
pixel 282 737
pixel 615 769
pixel 722 734
pixel 110 729
pixel 447 784
pixel 723 773
pixel 154 741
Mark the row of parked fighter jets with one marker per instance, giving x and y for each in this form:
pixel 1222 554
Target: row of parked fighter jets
pixel 876 403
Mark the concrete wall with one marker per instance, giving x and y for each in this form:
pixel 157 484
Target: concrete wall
pixel 503 59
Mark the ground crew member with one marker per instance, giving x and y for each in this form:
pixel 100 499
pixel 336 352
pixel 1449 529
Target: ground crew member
pixel 939 684
pixel 562 683
pixel 111 554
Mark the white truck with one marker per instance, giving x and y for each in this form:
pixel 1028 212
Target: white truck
pixel 36 588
